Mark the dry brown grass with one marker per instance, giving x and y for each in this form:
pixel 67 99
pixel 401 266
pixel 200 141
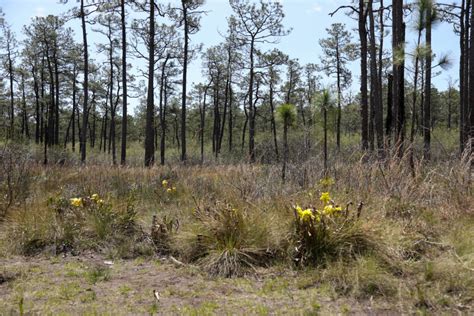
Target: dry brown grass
pixel 422 224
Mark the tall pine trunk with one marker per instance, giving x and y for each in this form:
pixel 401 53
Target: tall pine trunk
pixel 150 106
pixel 363 77
pixel 185 74
pixel 123 152
pixel 85 111
pixel 427 98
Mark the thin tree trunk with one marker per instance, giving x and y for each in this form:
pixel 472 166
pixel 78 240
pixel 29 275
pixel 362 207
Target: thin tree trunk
pixel 231 119
pixel 12 98
pixel 470 110
pixel 251 110
pixel 203 121
pixel 74 107
pixel 37 105
pixel 389 118
pixel 185 74
pixel 285 148
pixel 450 90
pixel 467 67
pixel 42 101
pixel 375 87
pixel 363 71
pixel 56 112
pixel 427 103
pixel 272 120
pixel 123 153
pixel 325 127
pixel 413 108
pixel 163 110
pixel 224 116
pixel 85 111
pixel 462 72
pixel 339 96
pixel 150 106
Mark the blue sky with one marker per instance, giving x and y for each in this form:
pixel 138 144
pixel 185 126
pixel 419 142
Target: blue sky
pixel 307 18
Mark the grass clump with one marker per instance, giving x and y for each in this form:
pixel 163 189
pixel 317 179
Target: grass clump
pixel 226 241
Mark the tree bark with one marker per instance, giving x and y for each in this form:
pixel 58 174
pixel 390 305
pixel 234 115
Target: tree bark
pixel 398 39
pixel 12 97
pixel 85 111
pixel 150 106
pixel 285 148
pixel 251 110
pixel 185 74
pixel 272 112
pixel 339 96
pixel 363 77
pixel 123 153
pixel 375 87
pixel 470 110
pixel 163 105
pixel 427 99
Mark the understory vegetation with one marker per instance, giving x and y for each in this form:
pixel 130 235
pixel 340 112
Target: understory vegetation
pixel 362 231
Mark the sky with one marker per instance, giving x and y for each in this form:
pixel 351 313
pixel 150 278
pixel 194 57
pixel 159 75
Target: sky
pixel 308 20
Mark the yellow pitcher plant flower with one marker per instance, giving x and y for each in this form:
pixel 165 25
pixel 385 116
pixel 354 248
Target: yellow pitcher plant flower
pixel 95 197
pixel 325 197
pixel 304 215
pixel 331 209
pixel 77 202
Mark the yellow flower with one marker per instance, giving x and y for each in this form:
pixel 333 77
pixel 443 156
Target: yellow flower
pixel 171 190
pixel 299 210
pixel 304 215
pixel 77 202
pixel 328 210
pixel 164 183
pixel 331 209
pixel 325 197
pixel 95 197
pixel 100 201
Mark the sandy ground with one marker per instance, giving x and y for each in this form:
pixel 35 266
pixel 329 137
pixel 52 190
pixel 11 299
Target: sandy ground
pixel 90 284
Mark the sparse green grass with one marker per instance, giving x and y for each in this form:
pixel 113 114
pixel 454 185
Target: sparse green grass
pixel 97 273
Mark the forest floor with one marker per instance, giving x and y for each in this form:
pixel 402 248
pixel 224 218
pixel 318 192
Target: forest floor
pixel 231 239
